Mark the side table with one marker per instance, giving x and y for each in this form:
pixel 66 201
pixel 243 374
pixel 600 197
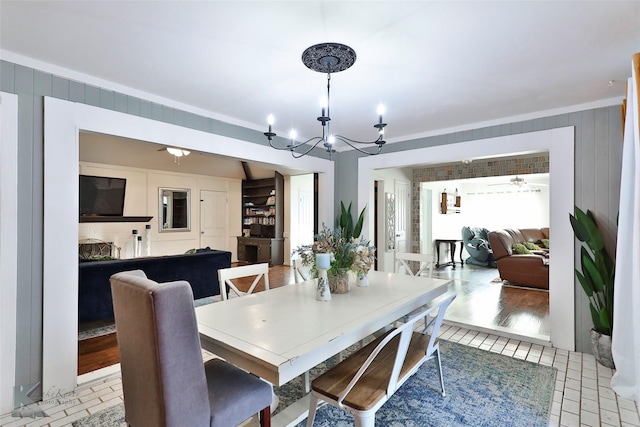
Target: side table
pixel 452 249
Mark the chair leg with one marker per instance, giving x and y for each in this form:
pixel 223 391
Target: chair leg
pixel 439 366
pixel 365 420
pixel 265 417
pixel 307 382
pixel 313 405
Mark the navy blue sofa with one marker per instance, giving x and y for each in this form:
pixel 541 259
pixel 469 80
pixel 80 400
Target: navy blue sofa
pixel 199 269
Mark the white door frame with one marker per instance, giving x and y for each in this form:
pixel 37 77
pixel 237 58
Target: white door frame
pixel 8 246
pixel 403 215
pixel 63 120
pixel 559 143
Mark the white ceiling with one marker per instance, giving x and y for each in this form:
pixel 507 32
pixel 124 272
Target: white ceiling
pixel 435 65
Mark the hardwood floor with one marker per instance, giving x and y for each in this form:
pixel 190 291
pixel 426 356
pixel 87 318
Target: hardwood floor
pixel 489 305
pixel 96 353
pixel 481 304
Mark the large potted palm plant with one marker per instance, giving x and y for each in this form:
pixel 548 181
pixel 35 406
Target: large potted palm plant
pixel 596 276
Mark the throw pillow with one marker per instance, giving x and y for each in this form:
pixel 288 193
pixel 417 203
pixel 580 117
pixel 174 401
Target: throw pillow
pixel 520 249
pixel 545 242
pixel 532 246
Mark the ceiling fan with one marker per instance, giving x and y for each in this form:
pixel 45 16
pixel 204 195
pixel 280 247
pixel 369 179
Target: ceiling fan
pixel 520 182
pixel 176 153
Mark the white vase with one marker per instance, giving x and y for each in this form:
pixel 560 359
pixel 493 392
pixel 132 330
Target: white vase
pixel 363 281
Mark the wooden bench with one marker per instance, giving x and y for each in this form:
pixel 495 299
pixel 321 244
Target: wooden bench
pixel 365 380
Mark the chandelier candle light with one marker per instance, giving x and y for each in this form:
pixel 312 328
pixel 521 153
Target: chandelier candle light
pixel 328 58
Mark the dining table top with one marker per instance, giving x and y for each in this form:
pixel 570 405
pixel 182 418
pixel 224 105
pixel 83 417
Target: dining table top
pixel 283 332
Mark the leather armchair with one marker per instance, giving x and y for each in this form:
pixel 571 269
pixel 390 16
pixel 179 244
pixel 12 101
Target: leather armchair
pixel 520 269
pixel 476 242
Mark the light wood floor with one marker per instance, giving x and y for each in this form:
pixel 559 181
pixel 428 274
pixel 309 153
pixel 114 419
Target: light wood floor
pixel 481 305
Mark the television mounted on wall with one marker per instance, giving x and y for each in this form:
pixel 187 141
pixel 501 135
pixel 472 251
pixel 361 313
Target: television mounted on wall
pixel 101 196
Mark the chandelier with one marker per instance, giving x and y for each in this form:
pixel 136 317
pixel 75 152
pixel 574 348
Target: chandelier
pixel 328 58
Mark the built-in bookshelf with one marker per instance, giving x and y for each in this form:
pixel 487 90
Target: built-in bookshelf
pixel 262 218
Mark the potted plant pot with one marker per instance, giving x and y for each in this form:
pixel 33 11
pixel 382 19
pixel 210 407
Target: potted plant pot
pixel 601 346
pixel 339 281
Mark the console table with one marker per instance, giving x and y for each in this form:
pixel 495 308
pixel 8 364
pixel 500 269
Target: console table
pixel 261 249
pixel 452 250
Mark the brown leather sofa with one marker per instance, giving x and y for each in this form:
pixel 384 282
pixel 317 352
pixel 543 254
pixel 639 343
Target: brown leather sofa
pixel 527 269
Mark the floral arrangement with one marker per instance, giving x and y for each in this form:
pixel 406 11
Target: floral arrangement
pixel 355 254
pixel 364 256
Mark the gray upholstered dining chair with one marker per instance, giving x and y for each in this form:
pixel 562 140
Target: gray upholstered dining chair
pixel 164 379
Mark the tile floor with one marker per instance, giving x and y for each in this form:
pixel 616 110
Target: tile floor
pixel 582 395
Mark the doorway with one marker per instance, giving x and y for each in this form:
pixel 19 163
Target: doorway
pixel 64 121
pixel 559 143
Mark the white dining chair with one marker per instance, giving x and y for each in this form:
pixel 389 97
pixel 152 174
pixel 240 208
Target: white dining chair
pixel 226 276
pixel 298 273
pixel 426 261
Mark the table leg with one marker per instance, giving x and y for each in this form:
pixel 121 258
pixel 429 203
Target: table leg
pixel 452 249
pixel 461 247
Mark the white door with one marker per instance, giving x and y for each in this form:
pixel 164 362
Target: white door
pixel 403 216
pixel 213 219
pixel 305 216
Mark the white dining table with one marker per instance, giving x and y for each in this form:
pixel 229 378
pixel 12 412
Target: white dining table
pixel 284 332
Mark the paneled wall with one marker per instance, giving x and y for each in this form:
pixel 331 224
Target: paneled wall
pixel 597 170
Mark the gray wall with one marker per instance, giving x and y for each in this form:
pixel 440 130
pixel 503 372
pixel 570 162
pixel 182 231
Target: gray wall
pixel 598 161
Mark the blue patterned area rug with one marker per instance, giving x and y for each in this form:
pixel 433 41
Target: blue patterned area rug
pixel 483 389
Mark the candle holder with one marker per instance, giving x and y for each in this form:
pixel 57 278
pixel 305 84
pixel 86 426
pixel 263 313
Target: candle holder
pixel 323 263
pixel 323 293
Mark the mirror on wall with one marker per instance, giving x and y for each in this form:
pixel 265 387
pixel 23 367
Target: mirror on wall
pixel 174 209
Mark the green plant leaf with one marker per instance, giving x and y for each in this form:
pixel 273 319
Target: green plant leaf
pixel 357 229
pixel 595 240
pixel 579 230
pixel 605 321
pixel 590 269
pixel 595 317
pixel 587 286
